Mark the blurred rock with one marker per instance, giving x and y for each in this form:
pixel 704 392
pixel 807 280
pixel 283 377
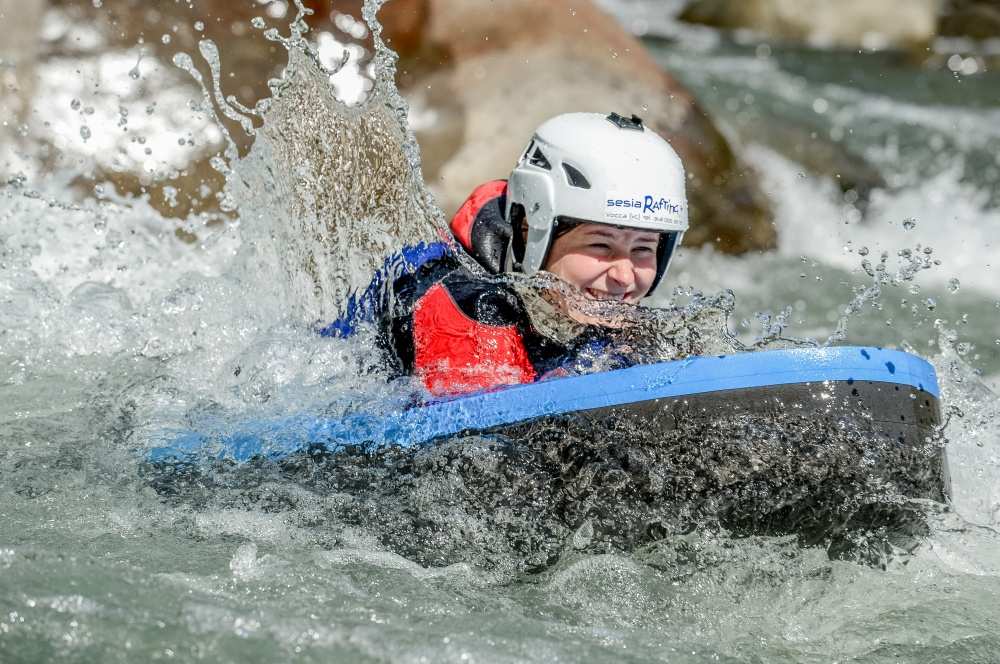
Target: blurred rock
pixel 402 21
pixel 488 74
pixel 20 25
pixel 978 19
pixel 480 75
pixel 908 24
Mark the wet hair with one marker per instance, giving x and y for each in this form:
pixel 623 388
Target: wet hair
pixel 564 225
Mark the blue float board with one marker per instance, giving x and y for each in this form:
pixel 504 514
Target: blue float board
pixel 483 411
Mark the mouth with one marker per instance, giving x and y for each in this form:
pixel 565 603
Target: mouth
pixel 605 296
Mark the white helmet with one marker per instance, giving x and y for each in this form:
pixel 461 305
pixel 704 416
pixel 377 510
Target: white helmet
pixel 595 168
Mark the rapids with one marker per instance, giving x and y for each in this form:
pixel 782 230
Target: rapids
pixel 114 326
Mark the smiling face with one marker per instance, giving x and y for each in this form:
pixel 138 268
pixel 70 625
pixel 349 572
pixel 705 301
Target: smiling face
pixel 605 263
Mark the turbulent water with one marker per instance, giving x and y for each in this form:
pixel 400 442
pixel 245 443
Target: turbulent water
pixel 115 328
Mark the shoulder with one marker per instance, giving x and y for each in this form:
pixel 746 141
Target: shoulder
pixel 484 300
pixel 481 225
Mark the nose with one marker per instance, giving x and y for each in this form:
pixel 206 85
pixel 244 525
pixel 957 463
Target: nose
pixel 620 272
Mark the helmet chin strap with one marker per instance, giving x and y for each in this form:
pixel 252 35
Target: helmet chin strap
pixel 509 264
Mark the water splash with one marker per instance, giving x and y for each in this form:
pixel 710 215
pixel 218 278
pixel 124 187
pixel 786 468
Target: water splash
pixel 326 190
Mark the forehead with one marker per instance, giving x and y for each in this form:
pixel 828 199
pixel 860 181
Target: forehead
pixel 590 229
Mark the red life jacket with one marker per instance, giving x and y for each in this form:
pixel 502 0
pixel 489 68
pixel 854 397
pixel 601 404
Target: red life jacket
pixel 455 350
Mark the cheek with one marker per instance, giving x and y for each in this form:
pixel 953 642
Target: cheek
pixel 644 277
pixel 576 269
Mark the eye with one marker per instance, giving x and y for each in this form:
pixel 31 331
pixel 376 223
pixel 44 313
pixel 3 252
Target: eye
pixel 644 251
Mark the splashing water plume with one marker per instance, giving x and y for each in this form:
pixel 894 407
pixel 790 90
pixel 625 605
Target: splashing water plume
pixel 327 190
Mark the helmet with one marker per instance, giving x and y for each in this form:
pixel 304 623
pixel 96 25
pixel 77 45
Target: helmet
pixel 595 168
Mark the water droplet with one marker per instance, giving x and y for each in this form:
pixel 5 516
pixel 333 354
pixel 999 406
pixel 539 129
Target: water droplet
pixel 863 251
pixel 909 224
pixel 258 22
pixel 219 164
pixel 85 132
pixel 88 110
pixel 930 304
pixel 170 196
pixel 165 39
pixel 954 284
pixel 98 4
pixel 99 190
pixel 199 26
pixel 75 104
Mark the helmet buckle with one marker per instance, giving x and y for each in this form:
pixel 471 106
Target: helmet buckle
pixel 634 123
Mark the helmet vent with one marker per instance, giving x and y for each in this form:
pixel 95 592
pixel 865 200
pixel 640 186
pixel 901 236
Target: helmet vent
pixel 527 150
pixel 575 178
pixel 539 159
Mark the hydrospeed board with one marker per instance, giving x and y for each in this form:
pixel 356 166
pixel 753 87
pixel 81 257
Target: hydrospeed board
pixel 895 390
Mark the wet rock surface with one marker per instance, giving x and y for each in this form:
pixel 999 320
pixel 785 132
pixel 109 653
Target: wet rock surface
pixel 492 74
pixel 850 23
pixel 978 19
pixel 480 78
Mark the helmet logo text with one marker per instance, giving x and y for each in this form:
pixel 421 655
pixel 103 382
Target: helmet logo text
pixel 643 208
pixel 651 205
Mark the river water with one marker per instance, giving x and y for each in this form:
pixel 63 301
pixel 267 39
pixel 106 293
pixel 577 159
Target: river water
pixel 115 329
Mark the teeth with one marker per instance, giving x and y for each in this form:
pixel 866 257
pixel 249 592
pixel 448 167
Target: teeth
pixel 600 295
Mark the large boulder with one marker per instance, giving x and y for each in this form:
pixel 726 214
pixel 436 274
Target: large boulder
pixel 979 19
pixel 908 24
pixel 481 75
pixel 490 72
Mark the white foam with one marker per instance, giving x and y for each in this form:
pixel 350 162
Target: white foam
pixel 85 96
pixel 951 217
